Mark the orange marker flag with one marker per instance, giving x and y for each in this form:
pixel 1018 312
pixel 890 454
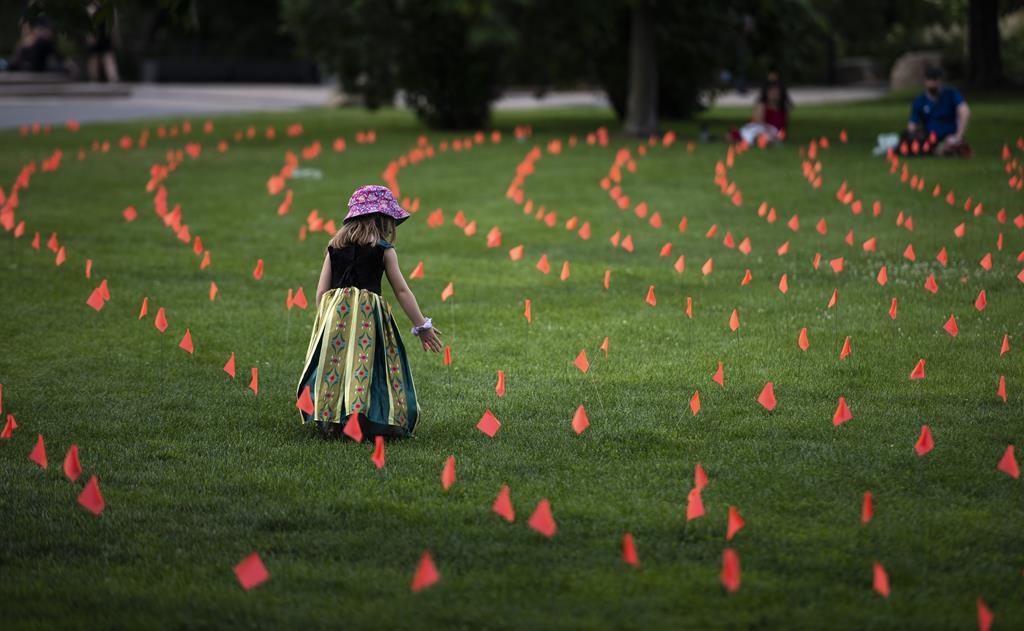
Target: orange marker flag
pixel 38 454
pixel 543 265
pixel 426 573
pixel 689 307
pixel 719 376
pixel 986 262
pixel 488 424
pixel 61 256
pixel 845 351
pixel 161 320
pixel 629 556
pixel 448 473
pixel 300 299
pixel 695 403
pixel 918 371
pixel 867 508
pixel 72 466
pixel 730 576
pixel 985 615
pixel 604 346
pixel 908 252
pixel 1005 347
pixel 784 284
pixel 981 301
pixel 942 257
pixel 90 498
pixel 880 583
pixel 447 292
pixel 305 402
pixel 951 327
pixel 417 272
pixel 251 572
pixel 289 300
pixel 834 300
pixel 447 355
pixel 802 340
pixel 892 308
pixel 565 271
pixel 1008 463
pixel 378 452
pixel 542 520
pixel 526 312
pixel 747 277
pixel 767 396
pixel 925 442
pixel 734 320
pixel 186 342
pixel 353 429
pixel 930 284
pixel 680 264
pixel 257 272
pixel 9 427
pixel 580 422
pixel 694 504
pixel 516 253
pixel 229 366
pixel 627 243
pixel 503 505
pixel 1001 388
pixel 708 267
pixel 254 382
pixel 700 477
pixel 581 361
pixel 960 231
pixel 836 264
pixel 842 413
pixel 735 523
pixel 95 299
pixel 213 291
pixel 500 388
pixel 607 278
pixel 651 298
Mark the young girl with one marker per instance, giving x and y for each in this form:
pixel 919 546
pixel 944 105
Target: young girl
pixel 356 362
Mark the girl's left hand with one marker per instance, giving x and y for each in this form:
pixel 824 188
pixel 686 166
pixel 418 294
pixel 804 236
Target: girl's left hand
pixel 429 339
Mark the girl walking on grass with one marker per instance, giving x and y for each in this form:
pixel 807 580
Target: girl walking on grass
pixel 356 367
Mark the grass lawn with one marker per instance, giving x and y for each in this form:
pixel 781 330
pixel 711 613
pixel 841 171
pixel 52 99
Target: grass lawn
pixel 197 472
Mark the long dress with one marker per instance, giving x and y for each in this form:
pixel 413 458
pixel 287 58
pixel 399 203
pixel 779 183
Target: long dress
pixel 356 361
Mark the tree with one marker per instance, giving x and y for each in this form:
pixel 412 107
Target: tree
pixel 985 62
pixel 642 103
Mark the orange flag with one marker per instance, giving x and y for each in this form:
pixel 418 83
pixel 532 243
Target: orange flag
pixel 892 308
pixel 695 403
pixel 542 520
pixel 516 253
pixel 842 413
pixel 694 504
pixel 607 278
pixel 305 402
pixel 417 272
pixel 951 327
pixel 735 523
pixel 161 320
pixel 503 505
pixel 1001 388
pixel 985 615
pixel 734 320
pixel 719 376
pixel 604 346
pixel 447 355
pixel 213 291
pixel 378 452
pixel 880 582
pixel 426 573
pixel 526 312
pixel 930 284
pixel 229 366
pixel 918 371
pixel 500 388
pixel 565 271
pixel 651 298
pixel 543 265
pixel 90 498
pixel 300 299
pixel 767 396
pixel 730 576
pixel 1008 463
pixel 708 267
pixel 61 256
pixel 95 299
pixel 9 427
pixel 145 307
pixel 580 422
pixel 257 272
pixel 38 454
pixel 629 556
pixel 942 257
pixel 488 424
pixel 251 572
pixel 802 340
pixel 72 466
pixel 867 509
pixel 981 301
pixel 689 307
pixel 845 351
pixel 834 300
pixel 1005 347
pixel 680 264
pixel 353 429
pixel 186 342
pixel 784 284
pixel 581 361
pixel 925 442
pixel 448 473
pixel 254 382
pixel 447 292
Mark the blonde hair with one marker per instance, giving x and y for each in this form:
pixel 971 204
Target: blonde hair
pixel 365 230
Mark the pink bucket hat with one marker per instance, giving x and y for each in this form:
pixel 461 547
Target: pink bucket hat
pixel 373 198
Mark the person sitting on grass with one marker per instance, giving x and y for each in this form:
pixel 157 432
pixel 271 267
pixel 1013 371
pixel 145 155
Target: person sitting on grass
pixel 770 117
pixel 938 120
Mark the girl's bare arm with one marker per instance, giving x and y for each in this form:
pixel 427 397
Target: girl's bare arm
pixel 407 300
pixel 325 278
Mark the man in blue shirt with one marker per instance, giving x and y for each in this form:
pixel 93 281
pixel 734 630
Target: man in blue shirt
pixel 938 116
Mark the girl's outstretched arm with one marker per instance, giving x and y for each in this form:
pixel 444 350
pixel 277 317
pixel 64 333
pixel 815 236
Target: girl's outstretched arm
pixel 406 298
pixel 325 279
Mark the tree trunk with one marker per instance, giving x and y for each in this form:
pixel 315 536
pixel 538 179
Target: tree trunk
pixel 642 101
pixel 985 59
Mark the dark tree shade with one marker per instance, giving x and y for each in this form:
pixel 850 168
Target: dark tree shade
pixel 985 62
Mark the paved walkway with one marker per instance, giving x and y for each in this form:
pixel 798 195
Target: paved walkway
pixel 166 100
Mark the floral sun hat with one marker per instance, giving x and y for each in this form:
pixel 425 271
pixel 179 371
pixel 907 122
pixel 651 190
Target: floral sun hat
pixel 373 198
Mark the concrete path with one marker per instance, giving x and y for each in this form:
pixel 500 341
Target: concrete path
pixel 172 100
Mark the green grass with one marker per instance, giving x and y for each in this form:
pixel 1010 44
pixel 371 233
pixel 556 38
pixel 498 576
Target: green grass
pixel 197 472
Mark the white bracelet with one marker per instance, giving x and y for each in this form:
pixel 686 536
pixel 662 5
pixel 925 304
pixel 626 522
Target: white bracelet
pixel 427 324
